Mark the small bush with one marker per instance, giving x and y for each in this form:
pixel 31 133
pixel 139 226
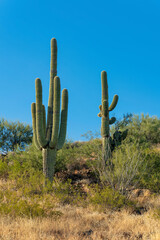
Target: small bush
pixel 15 202
pixel 106 197
pixel 157 213
pixel 4 169
pixel 151 177
pixel 127 165
pixel 143 129
pixel 67 193
pixel 66 157
pixel 22 208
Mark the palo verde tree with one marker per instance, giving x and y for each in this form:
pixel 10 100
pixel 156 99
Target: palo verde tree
pixel 14 135
pixel 104 113
pixel 50 137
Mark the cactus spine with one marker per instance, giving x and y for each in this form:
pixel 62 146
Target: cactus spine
pixel 50 137
pixel 104 113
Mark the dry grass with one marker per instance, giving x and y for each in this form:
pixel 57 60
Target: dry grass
pixel 77 223
pixel 81 224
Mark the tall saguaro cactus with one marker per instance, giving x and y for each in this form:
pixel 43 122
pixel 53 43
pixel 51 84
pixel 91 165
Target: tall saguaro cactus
pixel 104 113
pixel 50 137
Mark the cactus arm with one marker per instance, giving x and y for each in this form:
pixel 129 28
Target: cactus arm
pixel 100 114
pixel 39 115
pixel 114 103
pixel 56 113
pixel 100 107
pixel 104 86
pixel 63 125
pixel 53 73
pixel 33 110
pixel 112 120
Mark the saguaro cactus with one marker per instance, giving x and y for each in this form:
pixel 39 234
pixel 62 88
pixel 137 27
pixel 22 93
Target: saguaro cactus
pixel 104 113
pixel 50 137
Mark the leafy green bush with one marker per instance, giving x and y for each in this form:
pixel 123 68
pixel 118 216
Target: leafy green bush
pixel 144 129
pixel 106 197
pixel 4 168
pixel 23 166
pixel 15 203
pixel 127 167
pixel 14 135
pixel 151 177
pixel 157 213
pixel 66 157
pixel 67 193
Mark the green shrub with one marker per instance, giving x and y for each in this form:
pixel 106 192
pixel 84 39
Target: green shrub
pixel 143 129
pixel 151 177
pixel 126 168
pixel 30 158
pixel 106 197
pixel 4 169
pixel 67 193
pixel 157 213
pixel 16 204
pixel 66 157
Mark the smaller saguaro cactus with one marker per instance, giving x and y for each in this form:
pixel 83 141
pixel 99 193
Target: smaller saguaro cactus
pixel 104 113
pixel 50 137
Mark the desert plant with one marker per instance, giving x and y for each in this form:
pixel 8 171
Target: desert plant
pixel 14 135
pixel 142 128
pixel 50 137
pixel 117 138
pixel 151 177
pixel 127 169
pixel 104 113
pixel 106 197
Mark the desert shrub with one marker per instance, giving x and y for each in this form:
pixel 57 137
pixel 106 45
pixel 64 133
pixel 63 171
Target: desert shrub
pixel 156 213
pixel 105 197
pixel 91 135
pixel 151 177
pixel 144 129
pixel 67 193
pixel 91 148
pixel 4 169
pixel 126 168
pixel 16 203
pixel 14 135
pixel 24 165
pixel 66 157
pixel 72 155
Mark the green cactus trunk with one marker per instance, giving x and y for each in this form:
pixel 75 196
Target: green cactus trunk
pixel 106 150
pixel 51 137
pixel 49 159
pixel 104 113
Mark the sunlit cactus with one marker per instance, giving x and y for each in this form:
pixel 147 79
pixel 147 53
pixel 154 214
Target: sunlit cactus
pixel 104 113
pixel 50 137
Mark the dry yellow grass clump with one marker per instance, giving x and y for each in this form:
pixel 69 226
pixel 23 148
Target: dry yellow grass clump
pixel 80 223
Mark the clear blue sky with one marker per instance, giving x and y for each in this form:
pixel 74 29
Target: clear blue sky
pixel 121 37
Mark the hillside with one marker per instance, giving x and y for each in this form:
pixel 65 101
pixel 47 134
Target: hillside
pixel 87 199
